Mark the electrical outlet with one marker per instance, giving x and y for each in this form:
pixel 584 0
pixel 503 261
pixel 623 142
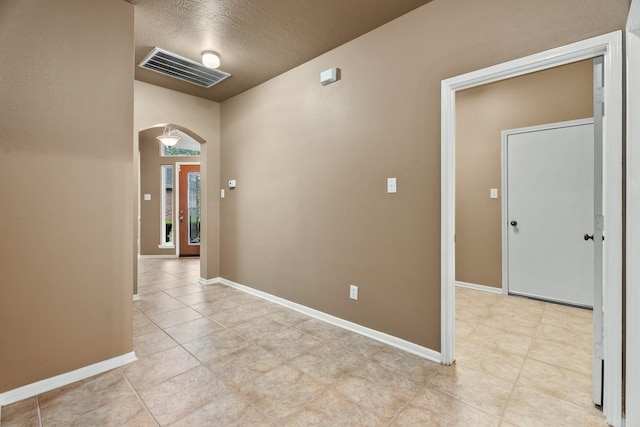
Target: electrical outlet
pixel 353 292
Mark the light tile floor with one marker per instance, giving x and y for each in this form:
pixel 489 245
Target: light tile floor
pixel 212 355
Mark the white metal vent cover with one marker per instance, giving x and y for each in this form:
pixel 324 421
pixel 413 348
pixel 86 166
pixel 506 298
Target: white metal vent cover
pixel 172 65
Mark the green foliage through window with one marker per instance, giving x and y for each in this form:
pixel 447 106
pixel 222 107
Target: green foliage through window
pixel 173 151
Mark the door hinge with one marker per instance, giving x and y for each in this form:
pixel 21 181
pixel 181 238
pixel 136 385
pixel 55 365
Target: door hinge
pixel 598 98
pixel 598 350
pixel 599 95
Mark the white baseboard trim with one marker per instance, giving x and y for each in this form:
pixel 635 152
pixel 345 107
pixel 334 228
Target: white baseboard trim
pixel 213 281
pixel 43 386
pixel 136 297
pixel 157 256
pixel 483 288
pixel 391 340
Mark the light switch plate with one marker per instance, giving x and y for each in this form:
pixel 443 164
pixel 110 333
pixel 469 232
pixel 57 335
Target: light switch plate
pixel 392 185
pixel 353 292
pixel 147 196
pixel 493 193
pixel 222 193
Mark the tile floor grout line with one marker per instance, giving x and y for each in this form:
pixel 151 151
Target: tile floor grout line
pixel 257 408
pixel 139 397
pixel 333 385
pixel 38 410
pixel 526 357
pixel 471 405
pixel 506 404
pixel 307 403
pixel 238 391
pixel 413 396
pixel 381 367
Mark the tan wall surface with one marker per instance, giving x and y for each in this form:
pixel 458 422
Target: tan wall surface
pixel 150 178
pixel 310 214
pixel 482 113
pixel 66 173
pixel 157 106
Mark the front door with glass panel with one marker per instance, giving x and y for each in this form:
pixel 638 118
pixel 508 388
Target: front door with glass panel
pixel 189 210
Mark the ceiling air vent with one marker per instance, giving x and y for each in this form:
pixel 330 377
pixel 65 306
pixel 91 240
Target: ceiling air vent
pixel 172 65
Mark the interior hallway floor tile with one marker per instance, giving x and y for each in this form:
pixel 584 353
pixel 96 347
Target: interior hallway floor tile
pixel 214 355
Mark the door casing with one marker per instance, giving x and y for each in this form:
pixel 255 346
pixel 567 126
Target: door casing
pixel 632 368
pixel 610 47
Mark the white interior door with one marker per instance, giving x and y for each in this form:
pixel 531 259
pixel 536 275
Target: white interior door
pixel 550 209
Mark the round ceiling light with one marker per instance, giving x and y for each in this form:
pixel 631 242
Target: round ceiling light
pixel 210 59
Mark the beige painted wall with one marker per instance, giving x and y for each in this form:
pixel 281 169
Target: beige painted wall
pixel 482 113
pixel 150 178
pixel 66 108
pixel 310 214
pixel 157 106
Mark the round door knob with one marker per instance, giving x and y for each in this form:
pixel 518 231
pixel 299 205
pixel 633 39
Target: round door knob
pixel 514 223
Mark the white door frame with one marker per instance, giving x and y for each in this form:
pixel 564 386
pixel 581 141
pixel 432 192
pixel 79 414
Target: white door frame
pixel 610 47
pixel 633 213
pixel 505 193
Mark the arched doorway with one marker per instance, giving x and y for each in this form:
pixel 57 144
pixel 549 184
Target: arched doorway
pixel 158 202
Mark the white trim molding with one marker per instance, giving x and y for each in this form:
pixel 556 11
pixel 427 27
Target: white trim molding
pixel 609 46
pixel 214 281
pixel 483 288
pixel 157 256
pixel 391 340
pixel 43 386
pixel 632 327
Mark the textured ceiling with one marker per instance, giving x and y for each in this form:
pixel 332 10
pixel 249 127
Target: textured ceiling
pixel 256 40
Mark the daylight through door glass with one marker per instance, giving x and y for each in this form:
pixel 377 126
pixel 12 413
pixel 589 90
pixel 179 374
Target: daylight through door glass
pixel 193 206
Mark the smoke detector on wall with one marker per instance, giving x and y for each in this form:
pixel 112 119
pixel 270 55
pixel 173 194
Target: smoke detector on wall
pixel 329 76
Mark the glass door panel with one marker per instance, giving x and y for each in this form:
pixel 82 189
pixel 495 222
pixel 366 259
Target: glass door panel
pixel 193 207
